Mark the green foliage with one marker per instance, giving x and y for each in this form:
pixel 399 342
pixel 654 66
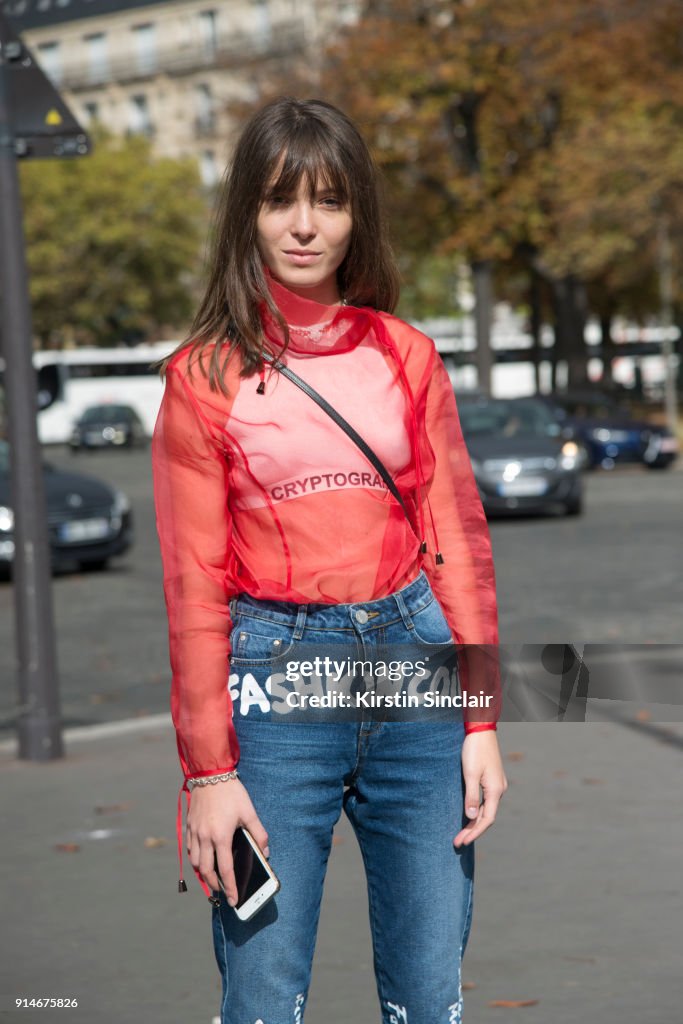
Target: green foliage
pixel 428 286
pixel 113 241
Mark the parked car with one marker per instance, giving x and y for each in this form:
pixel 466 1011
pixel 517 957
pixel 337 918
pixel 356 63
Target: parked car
pixel 88 521
pixel 609 433
pixel 109 425
pixel 521 461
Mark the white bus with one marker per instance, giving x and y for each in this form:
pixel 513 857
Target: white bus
pixel 69 380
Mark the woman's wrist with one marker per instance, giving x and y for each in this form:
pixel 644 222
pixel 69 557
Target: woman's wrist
pixel 211 780
pixel 471 727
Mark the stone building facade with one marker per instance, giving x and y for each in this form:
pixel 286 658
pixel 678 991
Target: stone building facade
pixel 170 68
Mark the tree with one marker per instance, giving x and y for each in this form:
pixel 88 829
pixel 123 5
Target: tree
pixel 113 242
pixel 517 130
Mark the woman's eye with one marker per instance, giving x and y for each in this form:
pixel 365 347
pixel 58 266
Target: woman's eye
pixel 332 202
pixel 278 200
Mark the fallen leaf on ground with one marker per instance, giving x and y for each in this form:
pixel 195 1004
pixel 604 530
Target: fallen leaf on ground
pixel 643 715
pixel 112 808
pixel 337 841
pixel 67 847
pixel 559 774
pixel 515 755
pixel 153 841
pixel 105 698
pixel 589 781
pixel 468 985
pixel 513 1003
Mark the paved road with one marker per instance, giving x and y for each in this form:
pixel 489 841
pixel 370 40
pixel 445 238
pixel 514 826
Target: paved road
pixel 614 575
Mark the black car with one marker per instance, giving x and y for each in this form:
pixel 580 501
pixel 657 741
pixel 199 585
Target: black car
pixel 88 521
pixel 521 461
pixel 609 433
pixel 108 426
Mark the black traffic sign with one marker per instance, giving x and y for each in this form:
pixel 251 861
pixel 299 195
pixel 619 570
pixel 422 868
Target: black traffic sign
pixel 40 123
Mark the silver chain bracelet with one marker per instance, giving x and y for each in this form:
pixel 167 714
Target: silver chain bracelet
pixel 211 780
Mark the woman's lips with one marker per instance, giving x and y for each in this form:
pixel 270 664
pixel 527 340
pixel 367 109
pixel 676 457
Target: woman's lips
pixel 301 258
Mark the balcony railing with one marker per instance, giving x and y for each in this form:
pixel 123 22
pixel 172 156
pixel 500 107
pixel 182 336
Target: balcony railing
pixel 282 39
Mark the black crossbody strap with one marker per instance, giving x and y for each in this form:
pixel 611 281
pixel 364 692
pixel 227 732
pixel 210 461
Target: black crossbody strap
pixel 345 426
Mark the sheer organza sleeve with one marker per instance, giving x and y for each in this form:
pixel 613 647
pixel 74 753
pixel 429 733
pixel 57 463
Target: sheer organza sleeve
pixel 464 583
pixel 190 473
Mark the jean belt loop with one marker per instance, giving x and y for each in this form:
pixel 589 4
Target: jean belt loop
pixel 300 621
pixel 403 608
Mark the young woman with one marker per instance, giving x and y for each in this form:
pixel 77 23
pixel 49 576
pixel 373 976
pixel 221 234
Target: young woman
pixel 280 537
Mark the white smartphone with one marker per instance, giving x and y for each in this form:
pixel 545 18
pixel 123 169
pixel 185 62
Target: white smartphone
pixel 256 880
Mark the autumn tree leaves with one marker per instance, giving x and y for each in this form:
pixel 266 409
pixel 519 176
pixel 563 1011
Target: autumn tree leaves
pixel 541 142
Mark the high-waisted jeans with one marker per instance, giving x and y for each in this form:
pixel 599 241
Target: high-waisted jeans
pixel 399 783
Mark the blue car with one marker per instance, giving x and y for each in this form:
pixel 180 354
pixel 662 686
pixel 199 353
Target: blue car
pixel 608 433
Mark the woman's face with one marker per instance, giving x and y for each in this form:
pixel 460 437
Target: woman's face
pixel 303 240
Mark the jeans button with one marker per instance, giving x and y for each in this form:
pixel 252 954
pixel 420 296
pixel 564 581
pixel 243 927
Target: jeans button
pixel 362 615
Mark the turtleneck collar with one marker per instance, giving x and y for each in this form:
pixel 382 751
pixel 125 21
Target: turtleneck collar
pixel 314 328
pixel 299 311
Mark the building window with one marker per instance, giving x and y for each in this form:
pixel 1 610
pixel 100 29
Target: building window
pixel 261 21
pixel 91 111
pixel 347 13
pixel 50 60
pixel 207 33
pixel 208 168
pixel 205 118
pixel 139 120
pixel 145 48
pixel 98 59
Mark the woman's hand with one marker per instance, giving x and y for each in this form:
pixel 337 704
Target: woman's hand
pixel 215 812
pixel 482 766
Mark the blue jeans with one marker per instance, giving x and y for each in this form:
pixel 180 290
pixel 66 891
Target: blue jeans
pixel 400 785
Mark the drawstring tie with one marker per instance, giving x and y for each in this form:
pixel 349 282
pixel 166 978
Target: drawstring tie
pixel 421 483
pixel 182 885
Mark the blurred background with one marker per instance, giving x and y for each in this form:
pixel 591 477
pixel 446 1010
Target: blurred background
pixel 532 154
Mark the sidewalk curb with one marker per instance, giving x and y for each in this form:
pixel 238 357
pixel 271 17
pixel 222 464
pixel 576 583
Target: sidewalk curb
pixel 95 732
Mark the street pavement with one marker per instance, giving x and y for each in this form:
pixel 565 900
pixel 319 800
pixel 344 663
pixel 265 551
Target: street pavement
pixel 577 905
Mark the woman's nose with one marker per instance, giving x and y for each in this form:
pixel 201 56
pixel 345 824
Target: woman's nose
pixel 303 221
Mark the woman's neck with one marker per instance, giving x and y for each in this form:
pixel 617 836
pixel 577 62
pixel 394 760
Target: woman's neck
pixel 301 310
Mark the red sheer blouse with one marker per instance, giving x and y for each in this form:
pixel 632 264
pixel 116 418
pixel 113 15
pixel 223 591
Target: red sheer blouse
pixel 264 494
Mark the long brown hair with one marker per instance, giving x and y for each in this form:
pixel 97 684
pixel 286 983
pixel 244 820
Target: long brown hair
pixel 307 138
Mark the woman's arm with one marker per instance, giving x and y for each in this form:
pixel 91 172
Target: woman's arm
pixel 464 583
pixel 193 522
pixel 465 586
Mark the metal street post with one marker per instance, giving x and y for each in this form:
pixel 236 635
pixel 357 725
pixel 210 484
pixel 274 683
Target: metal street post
pixel 39 722
pixel 667 321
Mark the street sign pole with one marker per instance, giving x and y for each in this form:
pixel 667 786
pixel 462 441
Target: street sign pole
pixel 39 719
pixel 666 303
